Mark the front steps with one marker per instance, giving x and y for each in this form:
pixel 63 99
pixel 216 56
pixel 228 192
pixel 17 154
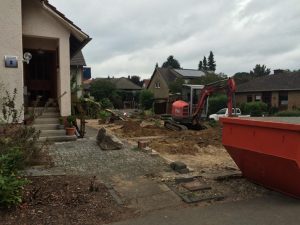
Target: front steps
pixel 48 124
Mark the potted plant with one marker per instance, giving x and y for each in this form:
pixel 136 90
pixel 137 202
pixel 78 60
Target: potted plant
pixel 61 123
pixel 70 129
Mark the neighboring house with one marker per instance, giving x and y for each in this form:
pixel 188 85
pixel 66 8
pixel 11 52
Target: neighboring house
pixel 145 83
pixel 37 27
pixel 281 91
pixel 77 74
pixel 160 83
pixel 126 88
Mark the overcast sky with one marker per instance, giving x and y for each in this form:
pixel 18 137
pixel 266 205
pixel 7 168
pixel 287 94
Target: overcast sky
pixel 130 36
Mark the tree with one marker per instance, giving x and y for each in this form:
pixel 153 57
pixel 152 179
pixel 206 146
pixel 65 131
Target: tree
pixel 171 63
pixel 209 78
pixel 200 65
pixel 146 99
pixel 211 62
pixel 101 88
pixel 176 86
pixel 205 68
pixel 136 80
pixel 156 65
pixel 260 70
pixel 242 77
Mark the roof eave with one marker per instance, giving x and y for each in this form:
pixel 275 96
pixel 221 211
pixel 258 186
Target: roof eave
pixel 76 30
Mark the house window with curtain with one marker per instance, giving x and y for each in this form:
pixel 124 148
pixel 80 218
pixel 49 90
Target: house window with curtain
pixel 157 84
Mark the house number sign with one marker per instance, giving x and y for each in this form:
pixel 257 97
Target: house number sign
pixel 11 61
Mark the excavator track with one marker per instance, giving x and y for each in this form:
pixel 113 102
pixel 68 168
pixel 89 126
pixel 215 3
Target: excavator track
pixel 172 125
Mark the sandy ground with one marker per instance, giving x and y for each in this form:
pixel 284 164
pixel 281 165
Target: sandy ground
pixel 200 150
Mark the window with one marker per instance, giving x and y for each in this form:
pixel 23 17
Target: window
pixel 283 100
pixel 157 84
pixel 222 111
pixel 249 98
pixel 257 98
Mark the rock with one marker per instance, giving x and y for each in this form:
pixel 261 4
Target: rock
pixel 177 165
pixel 183 171
pixel 108 141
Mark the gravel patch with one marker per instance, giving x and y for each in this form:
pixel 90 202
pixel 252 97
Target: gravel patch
pixel 84 157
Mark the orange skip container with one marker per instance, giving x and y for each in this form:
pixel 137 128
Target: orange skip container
pixel 266 150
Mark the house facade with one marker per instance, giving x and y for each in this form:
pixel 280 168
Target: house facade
pixel 280 91
pixel 126 89
pixel 37 27
pixel 160 82
pixel 78 66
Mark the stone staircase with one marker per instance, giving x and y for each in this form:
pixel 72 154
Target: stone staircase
pixel 48 124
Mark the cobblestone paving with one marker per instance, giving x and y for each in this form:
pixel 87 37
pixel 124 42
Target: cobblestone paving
pixel 84 157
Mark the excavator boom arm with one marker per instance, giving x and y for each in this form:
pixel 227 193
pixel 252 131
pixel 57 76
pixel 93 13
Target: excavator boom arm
pixel 228 85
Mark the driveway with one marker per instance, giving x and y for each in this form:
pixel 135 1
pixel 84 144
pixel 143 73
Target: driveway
pixel 274 209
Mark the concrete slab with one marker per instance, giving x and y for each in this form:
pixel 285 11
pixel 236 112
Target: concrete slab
pixel 139 187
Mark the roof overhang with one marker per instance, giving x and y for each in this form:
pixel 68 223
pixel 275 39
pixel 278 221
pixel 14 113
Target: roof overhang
pixel 263 90
pixel 78 38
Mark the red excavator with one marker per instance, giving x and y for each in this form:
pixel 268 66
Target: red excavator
pixel 185 115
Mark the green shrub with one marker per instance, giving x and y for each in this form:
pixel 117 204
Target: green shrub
pixel 11 190
pixel 103 115
pixel 146 99
pixel 89 108
pixel 10 183
pixel 294 113
pixel 106 103
pixel 216 102
pixel 11 162
pixel 23 138
pixel 255 108
pixel 273 110
pixel 71 121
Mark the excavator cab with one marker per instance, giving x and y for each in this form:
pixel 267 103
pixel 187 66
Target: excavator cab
pixel 183 110
pixel 190 94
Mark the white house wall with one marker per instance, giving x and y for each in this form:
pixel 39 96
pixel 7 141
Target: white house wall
pixel 37 22
pixel 11 45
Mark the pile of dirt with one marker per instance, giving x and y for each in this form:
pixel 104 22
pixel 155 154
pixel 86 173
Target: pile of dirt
pixel 174 142
pixel 188 142
pixel 65 200
pixel 135 128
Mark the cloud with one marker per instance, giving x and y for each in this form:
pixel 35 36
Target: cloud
pixel 130 36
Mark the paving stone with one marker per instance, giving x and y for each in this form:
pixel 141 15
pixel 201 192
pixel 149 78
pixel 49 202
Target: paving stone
pixel 196 186
pixel 184 178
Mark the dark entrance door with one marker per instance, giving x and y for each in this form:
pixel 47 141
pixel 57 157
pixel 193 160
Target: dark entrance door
pixel 40 76
pixel 267 98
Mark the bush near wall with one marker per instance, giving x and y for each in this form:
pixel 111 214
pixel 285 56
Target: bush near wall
pixel 294 113
pixel 254 108
pixel 216 102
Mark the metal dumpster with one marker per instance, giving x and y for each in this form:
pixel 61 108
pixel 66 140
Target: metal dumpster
pixel 267 151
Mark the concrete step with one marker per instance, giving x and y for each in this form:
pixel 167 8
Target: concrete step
pixel 58 138
pixel 50 115
pixel 51 133
pixel 45 126
pixel 46 121
pixel 39 109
